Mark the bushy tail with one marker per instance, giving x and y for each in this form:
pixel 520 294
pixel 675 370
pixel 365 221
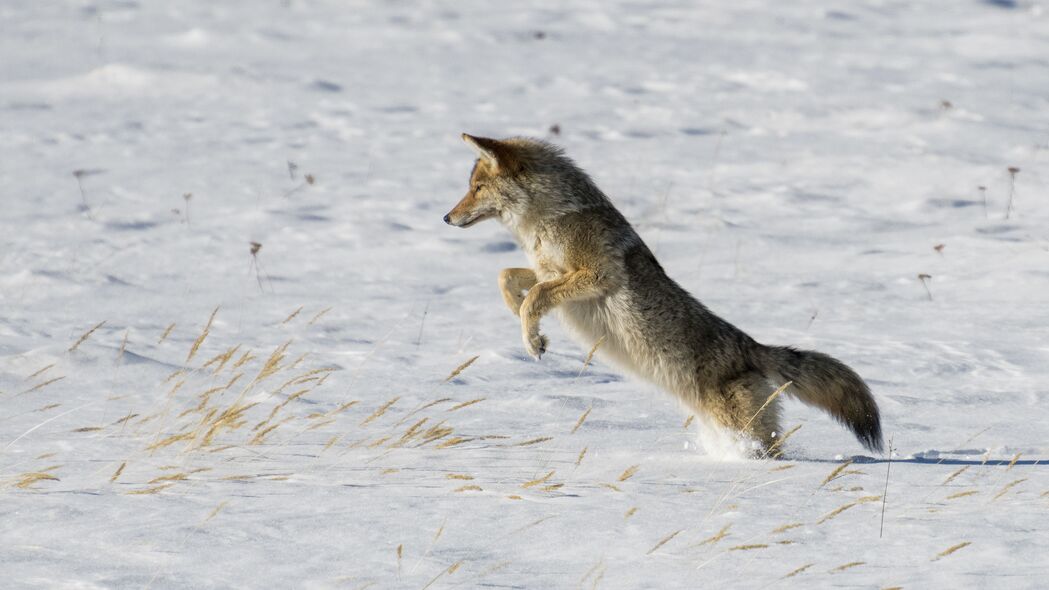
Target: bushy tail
pixel 827 383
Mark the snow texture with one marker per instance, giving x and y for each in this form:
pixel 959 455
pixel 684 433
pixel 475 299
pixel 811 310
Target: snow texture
pixel 832 176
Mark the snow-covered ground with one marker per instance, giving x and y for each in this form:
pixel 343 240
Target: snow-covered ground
pixel 797 165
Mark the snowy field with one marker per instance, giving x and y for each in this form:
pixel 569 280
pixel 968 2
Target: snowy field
pixel 829 175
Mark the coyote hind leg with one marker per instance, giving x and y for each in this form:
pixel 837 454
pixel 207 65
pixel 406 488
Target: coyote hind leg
pixel 737 406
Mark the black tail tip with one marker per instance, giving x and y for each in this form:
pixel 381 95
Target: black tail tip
pixel 869 433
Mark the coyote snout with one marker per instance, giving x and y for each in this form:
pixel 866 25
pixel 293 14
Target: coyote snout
pixel 588 262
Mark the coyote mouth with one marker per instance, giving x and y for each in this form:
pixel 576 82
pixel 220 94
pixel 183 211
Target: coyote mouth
pixel 473 219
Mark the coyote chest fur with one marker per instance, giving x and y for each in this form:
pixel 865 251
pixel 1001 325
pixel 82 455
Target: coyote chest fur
pixel 588 264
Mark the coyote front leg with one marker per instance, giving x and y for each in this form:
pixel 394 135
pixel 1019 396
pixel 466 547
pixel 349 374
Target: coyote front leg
pixel 572 286
pixel 512 281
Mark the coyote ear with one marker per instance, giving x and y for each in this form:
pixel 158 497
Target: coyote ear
pixel 493 151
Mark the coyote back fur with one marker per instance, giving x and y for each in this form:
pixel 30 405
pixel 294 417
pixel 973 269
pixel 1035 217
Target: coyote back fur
pixel 589 264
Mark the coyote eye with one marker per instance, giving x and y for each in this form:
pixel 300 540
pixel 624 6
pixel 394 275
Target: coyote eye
pixel 478 187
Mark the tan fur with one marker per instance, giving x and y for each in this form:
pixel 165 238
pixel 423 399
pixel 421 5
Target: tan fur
pixel 589 264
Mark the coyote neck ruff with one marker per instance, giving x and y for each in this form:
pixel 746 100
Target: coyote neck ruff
pixel 589 264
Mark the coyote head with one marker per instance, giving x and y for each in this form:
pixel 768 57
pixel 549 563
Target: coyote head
pixel 492 191
pixel 521 181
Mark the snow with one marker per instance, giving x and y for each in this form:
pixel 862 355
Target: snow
pixel 793 165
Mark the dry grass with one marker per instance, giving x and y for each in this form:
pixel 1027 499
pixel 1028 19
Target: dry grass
pixel 846 566
pixel 952 476
pixel 798 571
pixel 293 315
pixel 786 527
pixel 461 368
pixel 1007 487
pixel 39 372
pixel 117 473
pixel 538 481
pixel 150 490
pixel 447 572
pixel 28 480
pixel 962 494
pixel 590 355
pixel 380 411
pixel 629 472
pixel 39 386
pixel 834 513
pixel 835 473
pixel 1013 462
pixel 664 541
pixel 749 547
pixel 715 538
pixel 167 332
pixel 86 336
pixel 466 404
pixel 203 335
pixel 533 441
pixel 581 420
pixel 951 550
pixel 582 454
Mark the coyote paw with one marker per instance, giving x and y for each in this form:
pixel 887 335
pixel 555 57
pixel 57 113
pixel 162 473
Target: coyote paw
pixel 535 344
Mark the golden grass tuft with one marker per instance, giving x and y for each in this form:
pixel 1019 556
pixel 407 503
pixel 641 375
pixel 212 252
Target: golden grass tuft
pixel 951 477
pixel 775 449
pixel 469 488
pixel 447 571
pixel 834 513
pixel 216 510
pixel 170 440
pixel 786 527
pixel 39 372
pixel 151 490
pixel 455 440
pixel 798 571
pixel 581 420
pixel 42 385
pixel 846 566
pixel 951 550
pixel 1008 487
pixel 533 441
pixel 962 494
pixel 318 316
pixel 173 477
pixel 293 315
pixel 86 336
pixel 718 536
pixel 629 472
pixel 167 332
pixel 87 429
pixel 272 364
pixel 664 541
pixel 28 480
pixel 466 404
pixel 538 481
pixel 835 473
pixel 590 355
pixel 203 335
pixel 379 412
pixel 461 368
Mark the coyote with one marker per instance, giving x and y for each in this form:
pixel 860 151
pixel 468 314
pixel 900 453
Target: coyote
pixel 588 263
